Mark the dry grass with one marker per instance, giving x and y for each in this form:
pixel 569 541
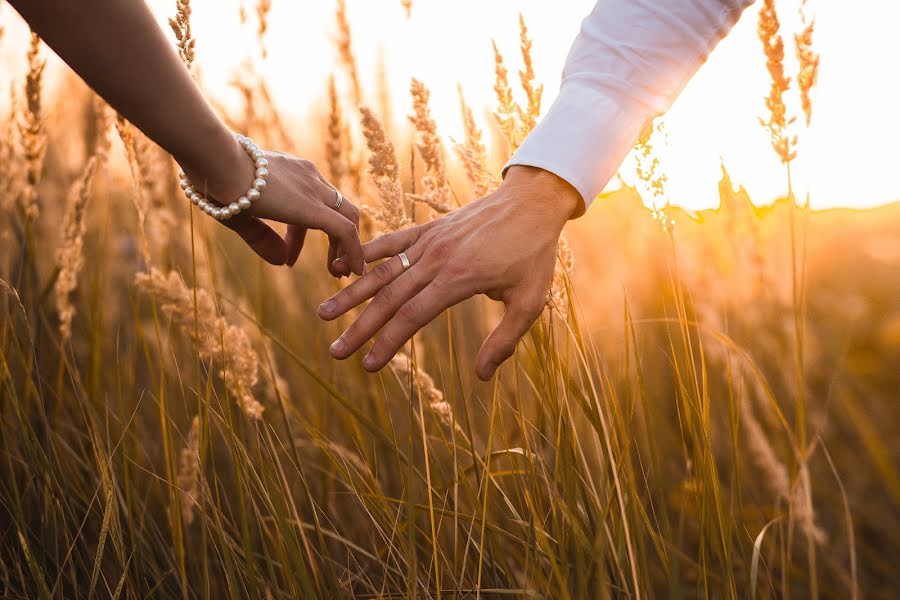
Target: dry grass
pixel 708 409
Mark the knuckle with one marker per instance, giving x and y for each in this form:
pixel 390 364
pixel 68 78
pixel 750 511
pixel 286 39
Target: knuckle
pixel 533 306
pixel 348 229
pixel 457 270
pixel 445 285
pixel 410 312
pixel 384 297
pixel 440 246
pixel 381 272
pixel 386 344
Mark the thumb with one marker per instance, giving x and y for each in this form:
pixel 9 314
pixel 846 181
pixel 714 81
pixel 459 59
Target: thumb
pixel 520 314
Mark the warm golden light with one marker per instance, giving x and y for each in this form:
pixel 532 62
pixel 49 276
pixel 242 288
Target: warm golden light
pixel 847 157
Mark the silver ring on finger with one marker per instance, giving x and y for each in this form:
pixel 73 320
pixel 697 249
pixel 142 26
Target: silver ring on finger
pixel 339 200
pixel 404 260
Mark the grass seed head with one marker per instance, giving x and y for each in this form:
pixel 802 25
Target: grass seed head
pixel 391 211
pixel 773 47
pixel 473 154
pixel 528 116
pixel 181 26
pixel 217 341
pixel 809 65
pixel 428 143
pixel 32 136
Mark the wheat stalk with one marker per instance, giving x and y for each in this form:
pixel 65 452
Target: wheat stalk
pixel 32 136
pixel 472 152
pixel 188 479
pixel 181 26
pixel 10 178
pixel 507 109
pixel 403 365
pixel 334 143
pixel 809 63
pixel 773 47
pixel 383 167
pixel 345 50
pixel 69 257
pixel 262 16
pixel 558 295
pixel 437 190
pixel 217 340
pixel 528 116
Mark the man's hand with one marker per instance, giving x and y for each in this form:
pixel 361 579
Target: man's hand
pixel 502 245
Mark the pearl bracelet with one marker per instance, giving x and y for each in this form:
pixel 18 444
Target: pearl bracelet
pixel 223 213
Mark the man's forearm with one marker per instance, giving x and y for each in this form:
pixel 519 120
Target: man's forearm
pixel 628 63
pixel 117 47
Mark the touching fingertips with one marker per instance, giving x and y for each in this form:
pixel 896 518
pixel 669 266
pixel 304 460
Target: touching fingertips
pixel 339 268
pixel 369 362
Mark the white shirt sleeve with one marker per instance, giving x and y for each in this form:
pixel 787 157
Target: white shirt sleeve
pixel 629 62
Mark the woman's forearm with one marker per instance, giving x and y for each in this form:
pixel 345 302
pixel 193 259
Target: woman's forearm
pixel 118 48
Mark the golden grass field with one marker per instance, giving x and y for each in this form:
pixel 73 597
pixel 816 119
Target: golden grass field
pixel 708 407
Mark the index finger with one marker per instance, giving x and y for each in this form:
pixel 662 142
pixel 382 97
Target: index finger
pixel 337 225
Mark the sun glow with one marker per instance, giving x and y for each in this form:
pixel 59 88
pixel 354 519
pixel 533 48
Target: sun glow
pixel 846 158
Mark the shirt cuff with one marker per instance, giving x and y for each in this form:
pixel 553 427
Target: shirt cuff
pixel 583 138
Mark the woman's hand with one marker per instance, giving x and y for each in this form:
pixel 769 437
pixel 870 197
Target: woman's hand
pixel 296 194
pixel 120 51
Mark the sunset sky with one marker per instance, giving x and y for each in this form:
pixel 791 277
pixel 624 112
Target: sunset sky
pixel 849 157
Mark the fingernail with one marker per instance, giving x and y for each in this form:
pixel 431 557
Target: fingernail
pixel 338 346
pixel 326 308
pixel 369 361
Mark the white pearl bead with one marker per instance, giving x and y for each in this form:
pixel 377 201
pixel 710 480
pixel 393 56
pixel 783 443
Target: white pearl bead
pixel 234 208
pixel 258 154
pixel 259 184
pixel 262 172
pixel 208 209
pixel 196 198
pixel 181 173
pixel 244 202
pixel 245 143
pixel 188 192
pixel 217 213
pixel 253 194
pixel 185 184
pixel 262 162
pixel 225 213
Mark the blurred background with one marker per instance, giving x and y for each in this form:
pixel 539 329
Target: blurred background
pixel 708 408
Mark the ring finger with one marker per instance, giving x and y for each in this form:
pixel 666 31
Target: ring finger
pixel 336 201
pixel 368 285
